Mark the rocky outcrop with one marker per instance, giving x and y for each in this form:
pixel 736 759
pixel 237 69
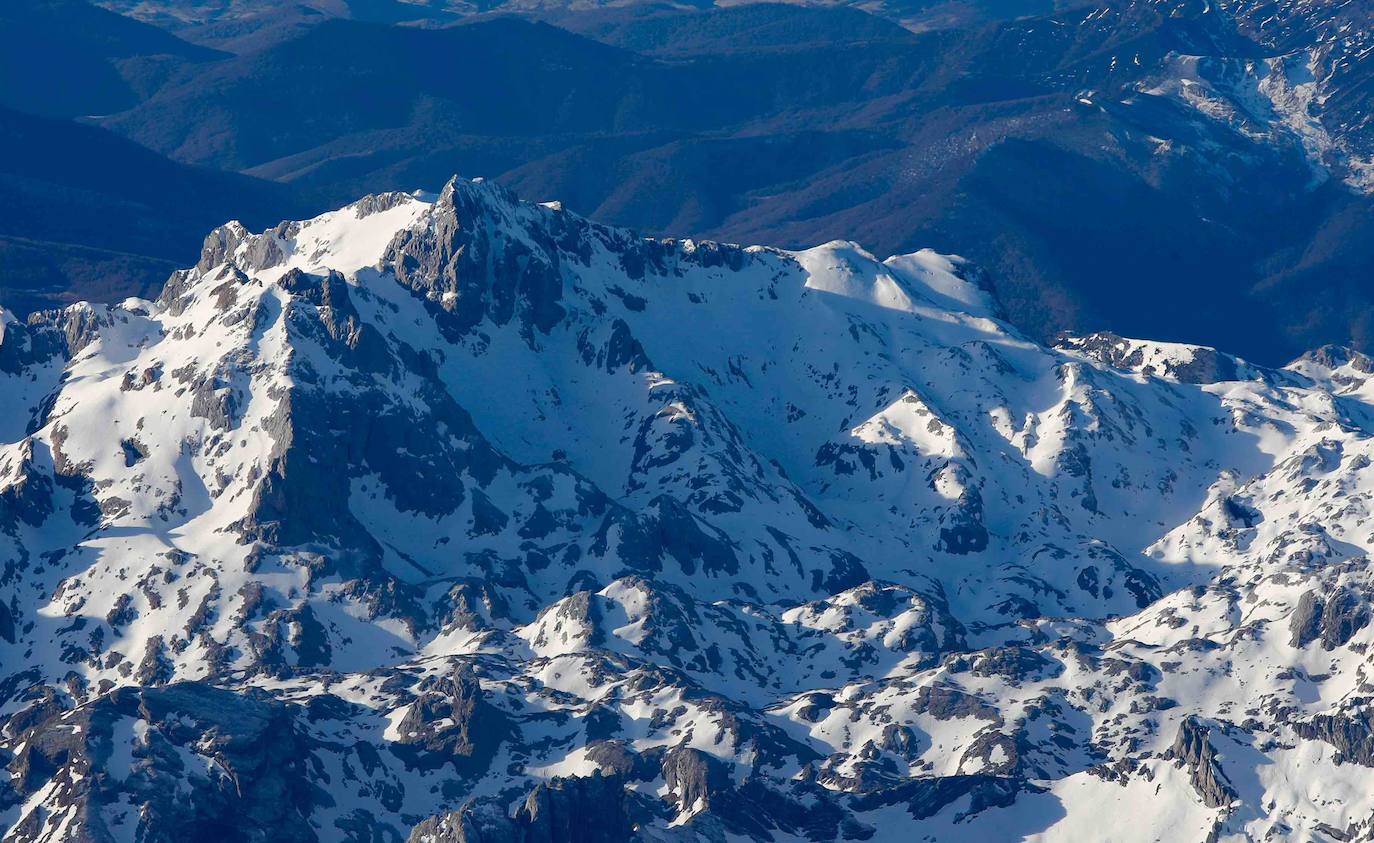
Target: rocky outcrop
pixel 250 780
pixel 1192 750
pixel 1349 732
pixel 451 722
pixel 563 810
pixel 1344 614
pixel 1183 363
pixel 1305 624
pixel 468 269
pixel 925 797
pixel 1332 619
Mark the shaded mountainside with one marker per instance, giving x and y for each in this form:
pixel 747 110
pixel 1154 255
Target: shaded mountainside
pixel 1170 168
pixel 67 58
pixel 461 518
pixel 86 214
pixel 213 17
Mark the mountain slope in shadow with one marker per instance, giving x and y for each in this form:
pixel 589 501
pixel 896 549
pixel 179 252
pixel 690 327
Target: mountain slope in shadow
pixel 85 214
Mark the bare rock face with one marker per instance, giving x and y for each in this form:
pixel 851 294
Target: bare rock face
pixel 584 810
pixel 1344 614
pixel 1306 621
pixel 1333 619
pixel 1193 750
pixel 1347 731
pixel 135 750
pixel 579 810
pixel 694 778
pixel 926 797
pixel 465 261
pixel 1185 364
pixel 470 824
pixel 451 722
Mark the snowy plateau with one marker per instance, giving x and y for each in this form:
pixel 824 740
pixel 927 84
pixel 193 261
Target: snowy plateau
pixel 460 518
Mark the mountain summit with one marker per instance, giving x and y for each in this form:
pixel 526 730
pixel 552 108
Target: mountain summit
pixel 462 518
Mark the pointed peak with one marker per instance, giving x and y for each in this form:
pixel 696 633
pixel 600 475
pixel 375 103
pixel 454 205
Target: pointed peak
pixel 458 190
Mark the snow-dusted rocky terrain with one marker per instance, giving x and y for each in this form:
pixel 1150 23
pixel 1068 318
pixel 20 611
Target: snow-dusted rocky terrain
pixel 463 518
pixel 1302 78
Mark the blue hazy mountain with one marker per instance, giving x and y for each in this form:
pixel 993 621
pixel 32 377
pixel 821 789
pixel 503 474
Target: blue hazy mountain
pixel 86 214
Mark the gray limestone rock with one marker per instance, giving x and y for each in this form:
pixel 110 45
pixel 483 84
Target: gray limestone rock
pixel 1192 750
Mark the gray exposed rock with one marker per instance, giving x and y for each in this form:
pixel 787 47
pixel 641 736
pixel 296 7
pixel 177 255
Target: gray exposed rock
pixel 260 792
pixel 1305 623
pixel 1193 751
pixel 563 810
pixel 1348 731
pixel 1333 619
pixel 466 270
pixel 1200 365
pixel 925 797
pixel 694 777
pixel 451 722
pixel 1344 614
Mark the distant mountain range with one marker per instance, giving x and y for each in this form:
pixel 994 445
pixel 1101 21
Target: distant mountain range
pixel 68 58
pixel 87 214
pixel 1184 169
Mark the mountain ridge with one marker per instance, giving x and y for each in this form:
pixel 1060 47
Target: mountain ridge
pixel 464 514
pixel 1104 165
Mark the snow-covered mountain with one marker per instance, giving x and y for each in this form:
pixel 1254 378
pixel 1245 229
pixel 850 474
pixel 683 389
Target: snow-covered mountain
pixel 462 518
